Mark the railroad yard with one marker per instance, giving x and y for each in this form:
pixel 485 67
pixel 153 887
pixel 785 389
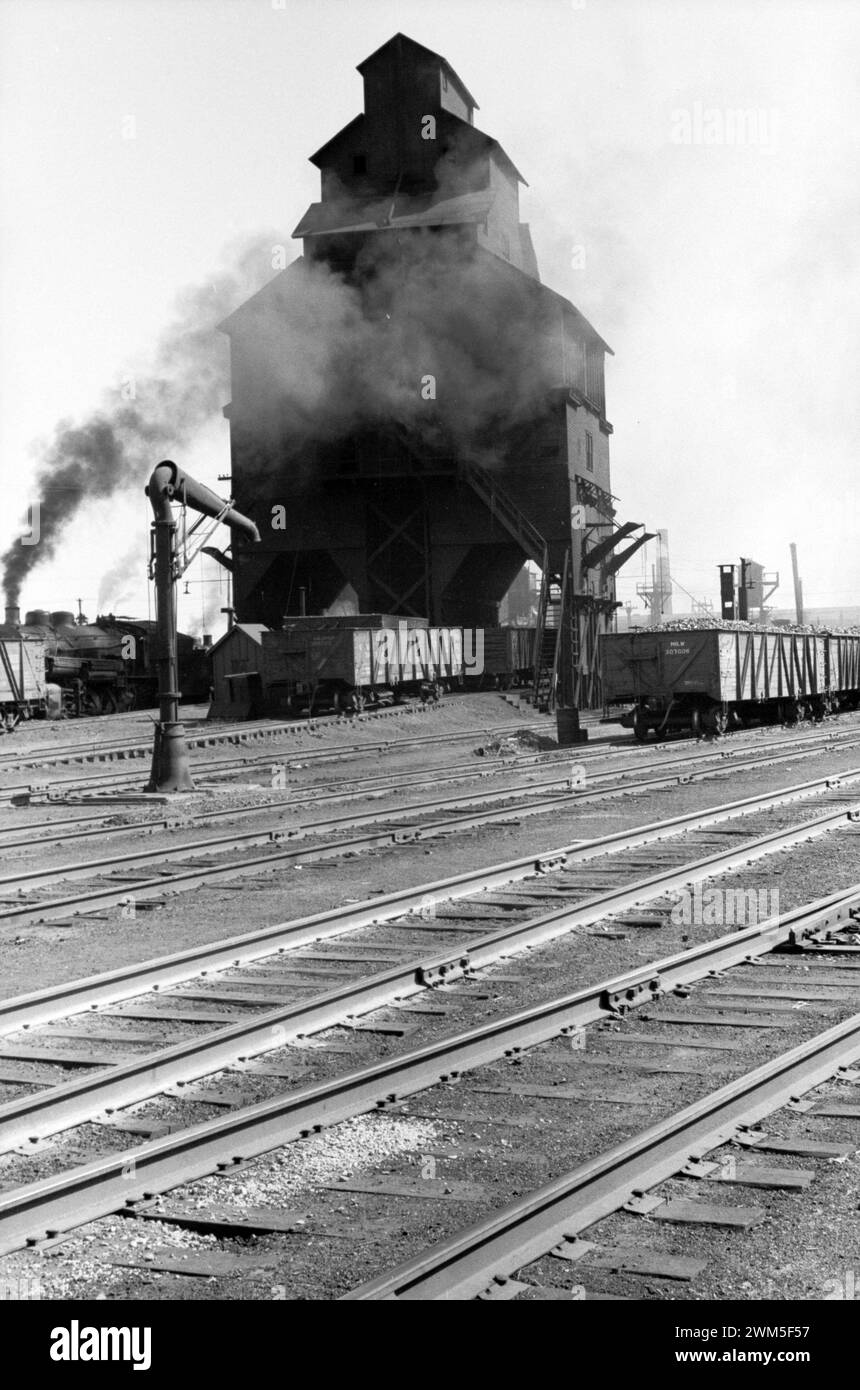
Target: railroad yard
pixel 429 678
pixel 418 1004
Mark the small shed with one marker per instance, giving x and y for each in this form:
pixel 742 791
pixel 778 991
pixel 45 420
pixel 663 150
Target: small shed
pixel 236 672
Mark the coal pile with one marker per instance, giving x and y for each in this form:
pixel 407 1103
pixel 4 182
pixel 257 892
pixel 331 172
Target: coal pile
pixel 736 625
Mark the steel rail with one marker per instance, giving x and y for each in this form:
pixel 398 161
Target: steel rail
pixel 198 877
pixel 805 744
pixel 258 732
pixel 389 817
pixel 195 878
pixel 334 790
pixel 66 1200
pixel 111 987
pixel 741 760
pixel 108 751
pixel 312 755
pixel 491 1250
pixel 45 1112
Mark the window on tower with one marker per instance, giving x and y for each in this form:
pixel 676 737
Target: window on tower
pixel 594 389
pixel 589 452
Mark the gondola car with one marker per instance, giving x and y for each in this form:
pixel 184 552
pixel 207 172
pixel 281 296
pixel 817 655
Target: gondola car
pixel 346 663
pixel 508 658
pixel 706 681
pixel 24 689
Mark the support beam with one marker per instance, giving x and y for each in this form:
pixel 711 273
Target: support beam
pixel 617 561
pixel 593 557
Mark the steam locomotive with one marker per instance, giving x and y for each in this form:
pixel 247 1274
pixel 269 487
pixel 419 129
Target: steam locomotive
pixel 56 666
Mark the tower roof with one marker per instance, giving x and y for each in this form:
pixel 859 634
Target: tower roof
pixel 403 41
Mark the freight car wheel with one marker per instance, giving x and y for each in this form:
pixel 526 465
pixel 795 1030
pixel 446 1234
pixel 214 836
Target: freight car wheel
pixel 91 703
pixel 640 728
pixel 716 721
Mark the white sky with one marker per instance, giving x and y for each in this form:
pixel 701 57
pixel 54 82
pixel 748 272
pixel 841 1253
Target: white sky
pixel 725 276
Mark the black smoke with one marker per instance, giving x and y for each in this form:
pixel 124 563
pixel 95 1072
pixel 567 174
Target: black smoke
pixel 324 352
pixel 153 414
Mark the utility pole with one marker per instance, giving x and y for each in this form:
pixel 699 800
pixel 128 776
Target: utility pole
pixel 798 585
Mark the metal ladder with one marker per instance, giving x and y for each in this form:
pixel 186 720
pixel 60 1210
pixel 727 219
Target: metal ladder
pixel 505 510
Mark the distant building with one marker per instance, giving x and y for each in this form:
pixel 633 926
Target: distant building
pixel 236 672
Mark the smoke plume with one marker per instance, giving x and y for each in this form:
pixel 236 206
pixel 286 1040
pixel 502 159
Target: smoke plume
pixel 323 355
pixel 422 332
pixel 208 615
pixel 153 414
pixel 116 586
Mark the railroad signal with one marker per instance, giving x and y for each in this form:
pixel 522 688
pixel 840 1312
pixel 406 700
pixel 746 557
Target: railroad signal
pixel 744 587
pixel 728 608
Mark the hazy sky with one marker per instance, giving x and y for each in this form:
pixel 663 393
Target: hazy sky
pixel 142 138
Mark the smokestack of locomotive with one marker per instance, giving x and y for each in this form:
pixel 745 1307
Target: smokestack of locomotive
pixel 414 416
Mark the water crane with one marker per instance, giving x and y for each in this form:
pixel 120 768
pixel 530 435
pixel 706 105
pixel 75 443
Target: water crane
pixel 171 771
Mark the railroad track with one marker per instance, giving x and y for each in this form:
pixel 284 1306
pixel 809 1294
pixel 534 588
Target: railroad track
pixel 710 1148
pixel 101 824
pixel 717 987
pixel 114 878
pixel 120 780
pixel 207 735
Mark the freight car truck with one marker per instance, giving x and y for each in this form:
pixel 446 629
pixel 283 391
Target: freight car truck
pixel 705 681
